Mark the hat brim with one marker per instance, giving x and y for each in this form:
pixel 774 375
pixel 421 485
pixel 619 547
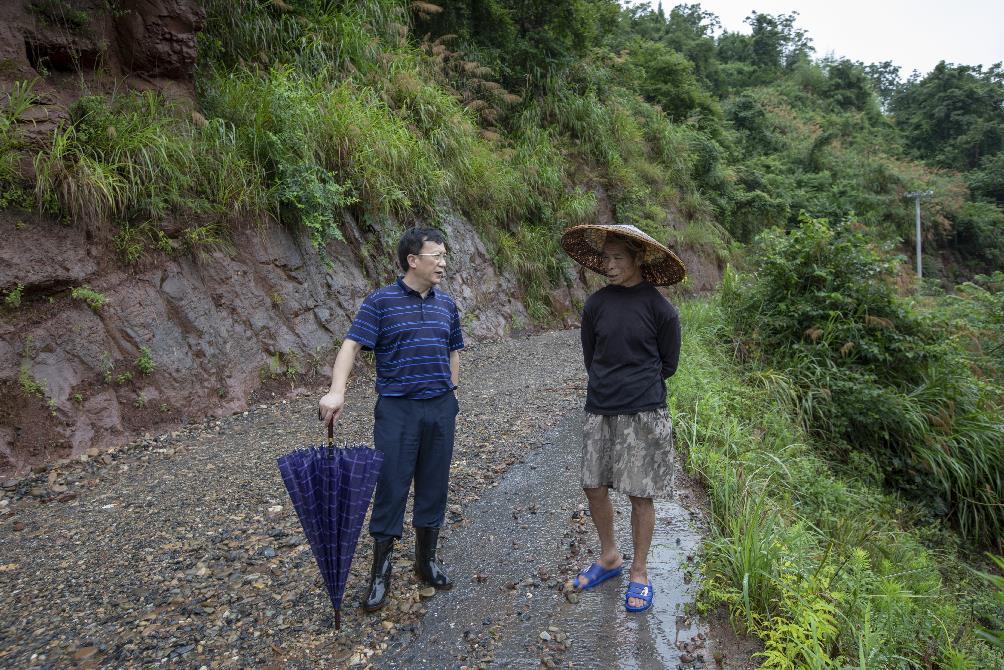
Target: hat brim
pixel 585 243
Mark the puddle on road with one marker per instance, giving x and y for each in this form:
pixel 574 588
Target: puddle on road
pixel 604 635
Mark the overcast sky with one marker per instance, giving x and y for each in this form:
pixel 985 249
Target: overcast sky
pixel 913 35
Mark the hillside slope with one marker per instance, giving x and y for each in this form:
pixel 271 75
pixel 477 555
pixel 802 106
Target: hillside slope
pixel 145 287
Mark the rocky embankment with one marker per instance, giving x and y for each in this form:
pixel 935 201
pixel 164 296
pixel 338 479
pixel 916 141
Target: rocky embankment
pixel 180 335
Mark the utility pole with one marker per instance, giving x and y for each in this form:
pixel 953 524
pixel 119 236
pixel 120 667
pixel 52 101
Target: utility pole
pixel 917 195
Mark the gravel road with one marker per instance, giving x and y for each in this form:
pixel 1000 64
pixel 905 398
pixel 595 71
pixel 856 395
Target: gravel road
pixel 182 550
pixel 513 605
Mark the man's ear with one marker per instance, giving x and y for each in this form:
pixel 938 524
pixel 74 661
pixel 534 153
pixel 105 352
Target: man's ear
pixel 412 261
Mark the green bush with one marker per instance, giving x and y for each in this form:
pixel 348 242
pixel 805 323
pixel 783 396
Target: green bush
pixel 823 568
pixel 145 363
pixel 94 299
pixel 28 383
pixel 972 318
pixel 13 298
pixel 996 638
pixel 751 212
pixel 668 80
pixel 135 158
pixel 275 117
pixel 977 228
pixel 133 242
pixel 314 37
pixel 59 13
pixel 19 99
pixel 869 371
pixel 988 181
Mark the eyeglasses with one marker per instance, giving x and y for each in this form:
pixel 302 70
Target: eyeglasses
pixel 438 256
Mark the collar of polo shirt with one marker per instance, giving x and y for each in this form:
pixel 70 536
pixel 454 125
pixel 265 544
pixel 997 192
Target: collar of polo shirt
pixel 408 289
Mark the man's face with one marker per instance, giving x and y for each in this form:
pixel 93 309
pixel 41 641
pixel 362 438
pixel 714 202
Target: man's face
pixel 622 269
pixel 429 264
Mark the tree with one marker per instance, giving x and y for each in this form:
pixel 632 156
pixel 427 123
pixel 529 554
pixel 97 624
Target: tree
pixel 669 81
pixel 885 79
pixel 773 47
pixel 646 22
pixel 749 118
pixel 847 85
pixel 775 41
pixel 690 31
pixel 988 181
pixel 954 116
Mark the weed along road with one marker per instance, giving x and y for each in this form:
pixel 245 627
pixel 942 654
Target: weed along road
pixel 182 550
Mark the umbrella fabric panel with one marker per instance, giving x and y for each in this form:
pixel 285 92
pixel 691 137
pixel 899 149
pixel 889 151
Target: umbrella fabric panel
pixel 358 476
pixel 301 473
pixel 330 480
pixel 298 471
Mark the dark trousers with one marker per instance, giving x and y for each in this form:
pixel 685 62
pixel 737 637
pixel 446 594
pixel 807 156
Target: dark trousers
pixel 416 438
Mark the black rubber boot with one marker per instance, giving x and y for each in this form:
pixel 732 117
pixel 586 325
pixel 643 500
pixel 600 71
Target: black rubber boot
pixel 383 551
pixel 426 567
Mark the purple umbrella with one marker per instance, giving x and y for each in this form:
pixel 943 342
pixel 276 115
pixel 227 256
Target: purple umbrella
pixel 331 488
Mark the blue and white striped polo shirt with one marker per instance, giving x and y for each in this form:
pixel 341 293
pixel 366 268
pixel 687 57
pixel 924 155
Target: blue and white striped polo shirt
pixel 412 338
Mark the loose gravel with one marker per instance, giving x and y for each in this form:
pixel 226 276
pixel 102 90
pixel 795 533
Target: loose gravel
pixel 182 550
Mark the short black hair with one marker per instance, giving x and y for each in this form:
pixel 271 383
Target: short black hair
pixel 412 242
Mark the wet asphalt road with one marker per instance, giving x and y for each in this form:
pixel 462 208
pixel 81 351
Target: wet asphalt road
pixel 528 536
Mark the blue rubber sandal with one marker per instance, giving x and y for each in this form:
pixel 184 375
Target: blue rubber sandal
pixel 641 592
pixel 596 574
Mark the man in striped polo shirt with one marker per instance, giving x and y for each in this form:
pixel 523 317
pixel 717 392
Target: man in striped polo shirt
pixel 414 330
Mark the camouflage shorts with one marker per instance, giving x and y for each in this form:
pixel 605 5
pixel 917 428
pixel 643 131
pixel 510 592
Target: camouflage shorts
pixel 632 453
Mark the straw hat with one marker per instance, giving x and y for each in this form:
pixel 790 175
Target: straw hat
pixel 660 266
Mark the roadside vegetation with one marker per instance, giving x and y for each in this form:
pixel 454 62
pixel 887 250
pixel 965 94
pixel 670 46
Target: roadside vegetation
pixel 813 553
pixel 511 116
pixel 883 382
pixel 311 111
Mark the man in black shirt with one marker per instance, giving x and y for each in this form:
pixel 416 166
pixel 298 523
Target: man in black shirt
pixel 630 346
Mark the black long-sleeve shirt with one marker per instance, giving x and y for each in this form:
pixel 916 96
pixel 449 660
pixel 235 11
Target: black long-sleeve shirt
pixel 631 345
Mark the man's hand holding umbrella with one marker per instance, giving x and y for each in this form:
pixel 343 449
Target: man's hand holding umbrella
pixel 329 409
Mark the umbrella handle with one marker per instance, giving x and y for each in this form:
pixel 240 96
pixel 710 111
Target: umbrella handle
pixel 331 434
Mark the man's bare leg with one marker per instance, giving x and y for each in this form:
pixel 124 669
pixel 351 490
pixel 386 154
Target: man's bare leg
pixel 602 512
pixel 642 527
